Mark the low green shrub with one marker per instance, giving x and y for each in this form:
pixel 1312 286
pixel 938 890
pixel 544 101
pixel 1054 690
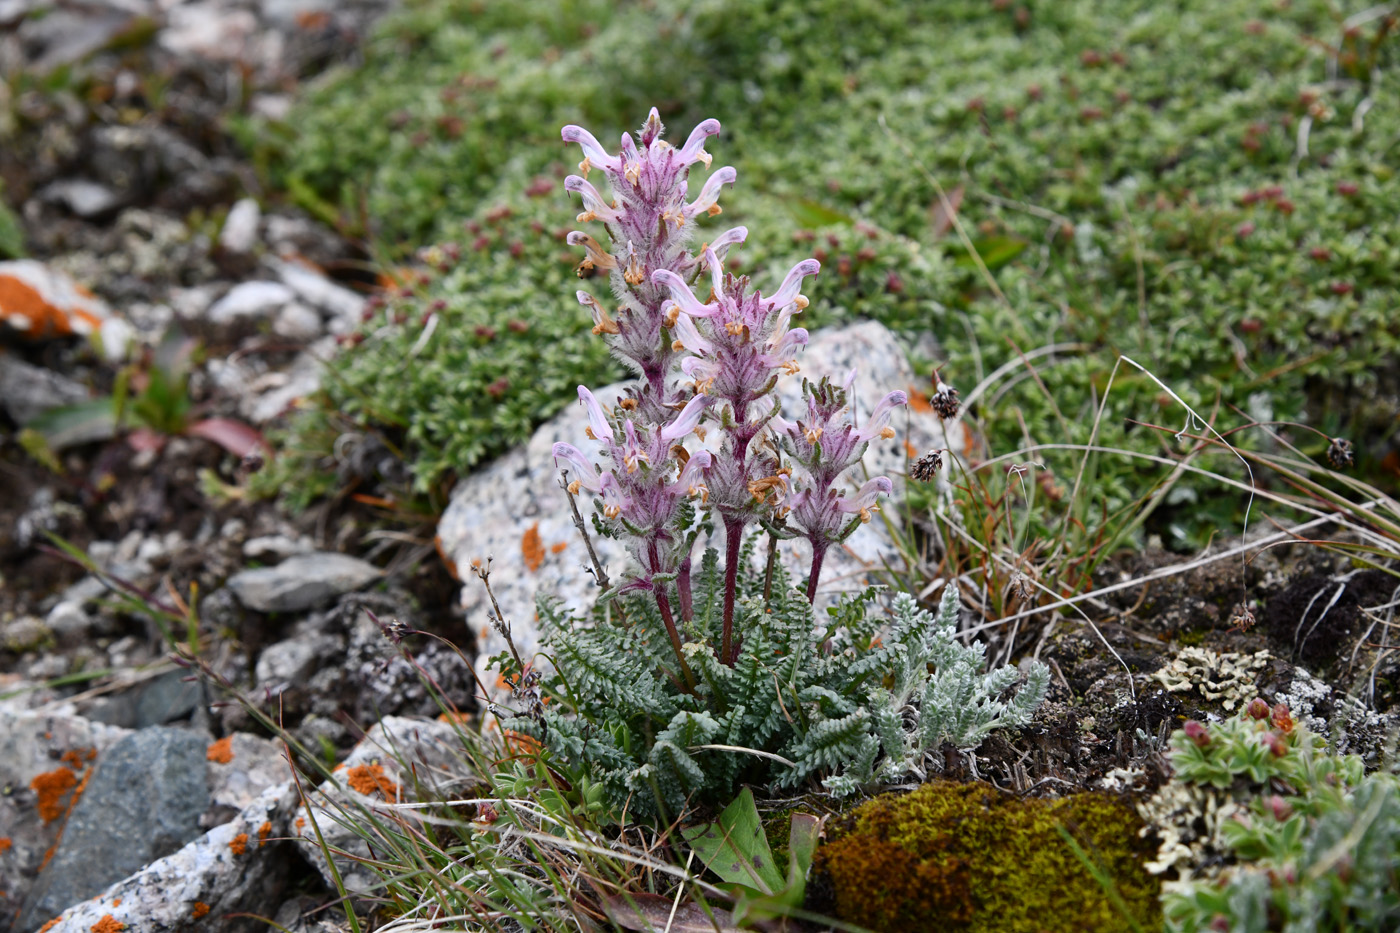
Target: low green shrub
pixel 1268 831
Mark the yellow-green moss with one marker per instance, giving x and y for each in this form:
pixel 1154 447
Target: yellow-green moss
pixel 969 857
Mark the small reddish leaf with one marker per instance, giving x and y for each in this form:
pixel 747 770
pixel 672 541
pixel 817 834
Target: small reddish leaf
pixel 945 210
pixel 236 437
pixel 651 913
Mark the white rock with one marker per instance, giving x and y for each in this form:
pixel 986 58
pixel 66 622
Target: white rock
pixel 82 197
pixel 240 230
pixel 297 322
pixel 317 290
pixel 250 300
pixel 210 31
pixel 490 511
pixel 434 751
pixel 277 547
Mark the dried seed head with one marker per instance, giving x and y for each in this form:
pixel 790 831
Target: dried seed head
pixel 945 401
pixel 926 467
pixel 1241 618
pixel 1340 453
pixel 1022 586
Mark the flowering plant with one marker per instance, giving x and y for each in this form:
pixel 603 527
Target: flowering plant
pixel 743 677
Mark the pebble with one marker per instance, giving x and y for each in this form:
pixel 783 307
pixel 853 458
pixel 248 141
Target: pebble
pixel 240 231
pixel 249 300
pixel 303 581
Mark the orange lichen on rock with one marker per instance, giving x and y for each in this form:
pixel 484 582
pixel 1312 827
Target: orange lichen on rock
pixel 50 788
pixel 238 844
pixel 5 843
pixel 532 548
pixel 42 302
pixel 263 832
pixel 221 752
pixel 49 926
pixel 300 823
pixel 108 924
pixel 558 547
pixel 116 902
pixel 74 759
pixel 367 779
pixel 199 910
pixel 919 401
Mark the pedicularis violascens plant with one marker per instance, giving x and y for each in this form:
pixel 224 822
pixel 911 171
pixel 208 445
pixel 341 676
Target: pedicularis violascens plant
pixel 692 685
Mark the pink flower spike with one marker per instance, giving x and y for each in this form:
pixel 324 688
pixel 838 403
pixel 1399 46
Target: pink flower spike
pixel 787 293
pixel 693 150
pixel 850 380
pixel 597 421
pixel 708 200
pixel 587 474
pixel 686 421
pixel 593 152
pixel 866 496
pixel 681 294
pixel 699 368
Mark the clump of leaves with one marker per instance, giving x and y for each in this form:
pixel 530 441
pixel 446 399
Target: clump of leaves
pixel 862 699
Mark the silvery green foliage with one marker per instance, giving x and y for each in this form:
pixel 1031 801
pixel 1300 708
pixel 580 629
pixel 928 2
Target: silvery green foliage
pixel 939 694
pixel 855 702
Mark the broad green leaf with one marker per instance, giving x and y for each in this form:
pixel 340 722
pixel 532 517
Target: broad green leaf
pixel 83 423
pixel 996 251
pixel 811 213
pixel 735 847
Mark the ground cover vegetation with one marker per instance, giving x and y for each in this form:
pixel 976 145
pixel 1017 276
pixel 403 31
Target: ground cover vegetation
pixel 1204 189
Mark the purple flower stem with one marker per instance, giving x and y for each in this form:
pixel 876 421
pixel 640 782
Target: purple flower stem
pixel 818 555
pixel 664 604
pixel 683 591
pixel 733 537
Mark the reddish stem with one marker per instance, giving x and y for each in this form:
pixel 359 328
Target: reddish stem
pixel 818 555
pixel 664 605
pixel 683 591
pixel 733 536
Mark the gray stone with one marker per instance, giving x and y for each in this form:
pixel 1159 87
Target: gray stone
pixel 32 744
pixel 26 633
pixel 490 511
pixel 294 660
pixel 297 322
pixel 240 230
pixel 142 803
pixel 301 582
pixel 85 198
pixel 70 622
pixel 27 391
pixel 163 895
pixel 158 700
pixel 255 300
